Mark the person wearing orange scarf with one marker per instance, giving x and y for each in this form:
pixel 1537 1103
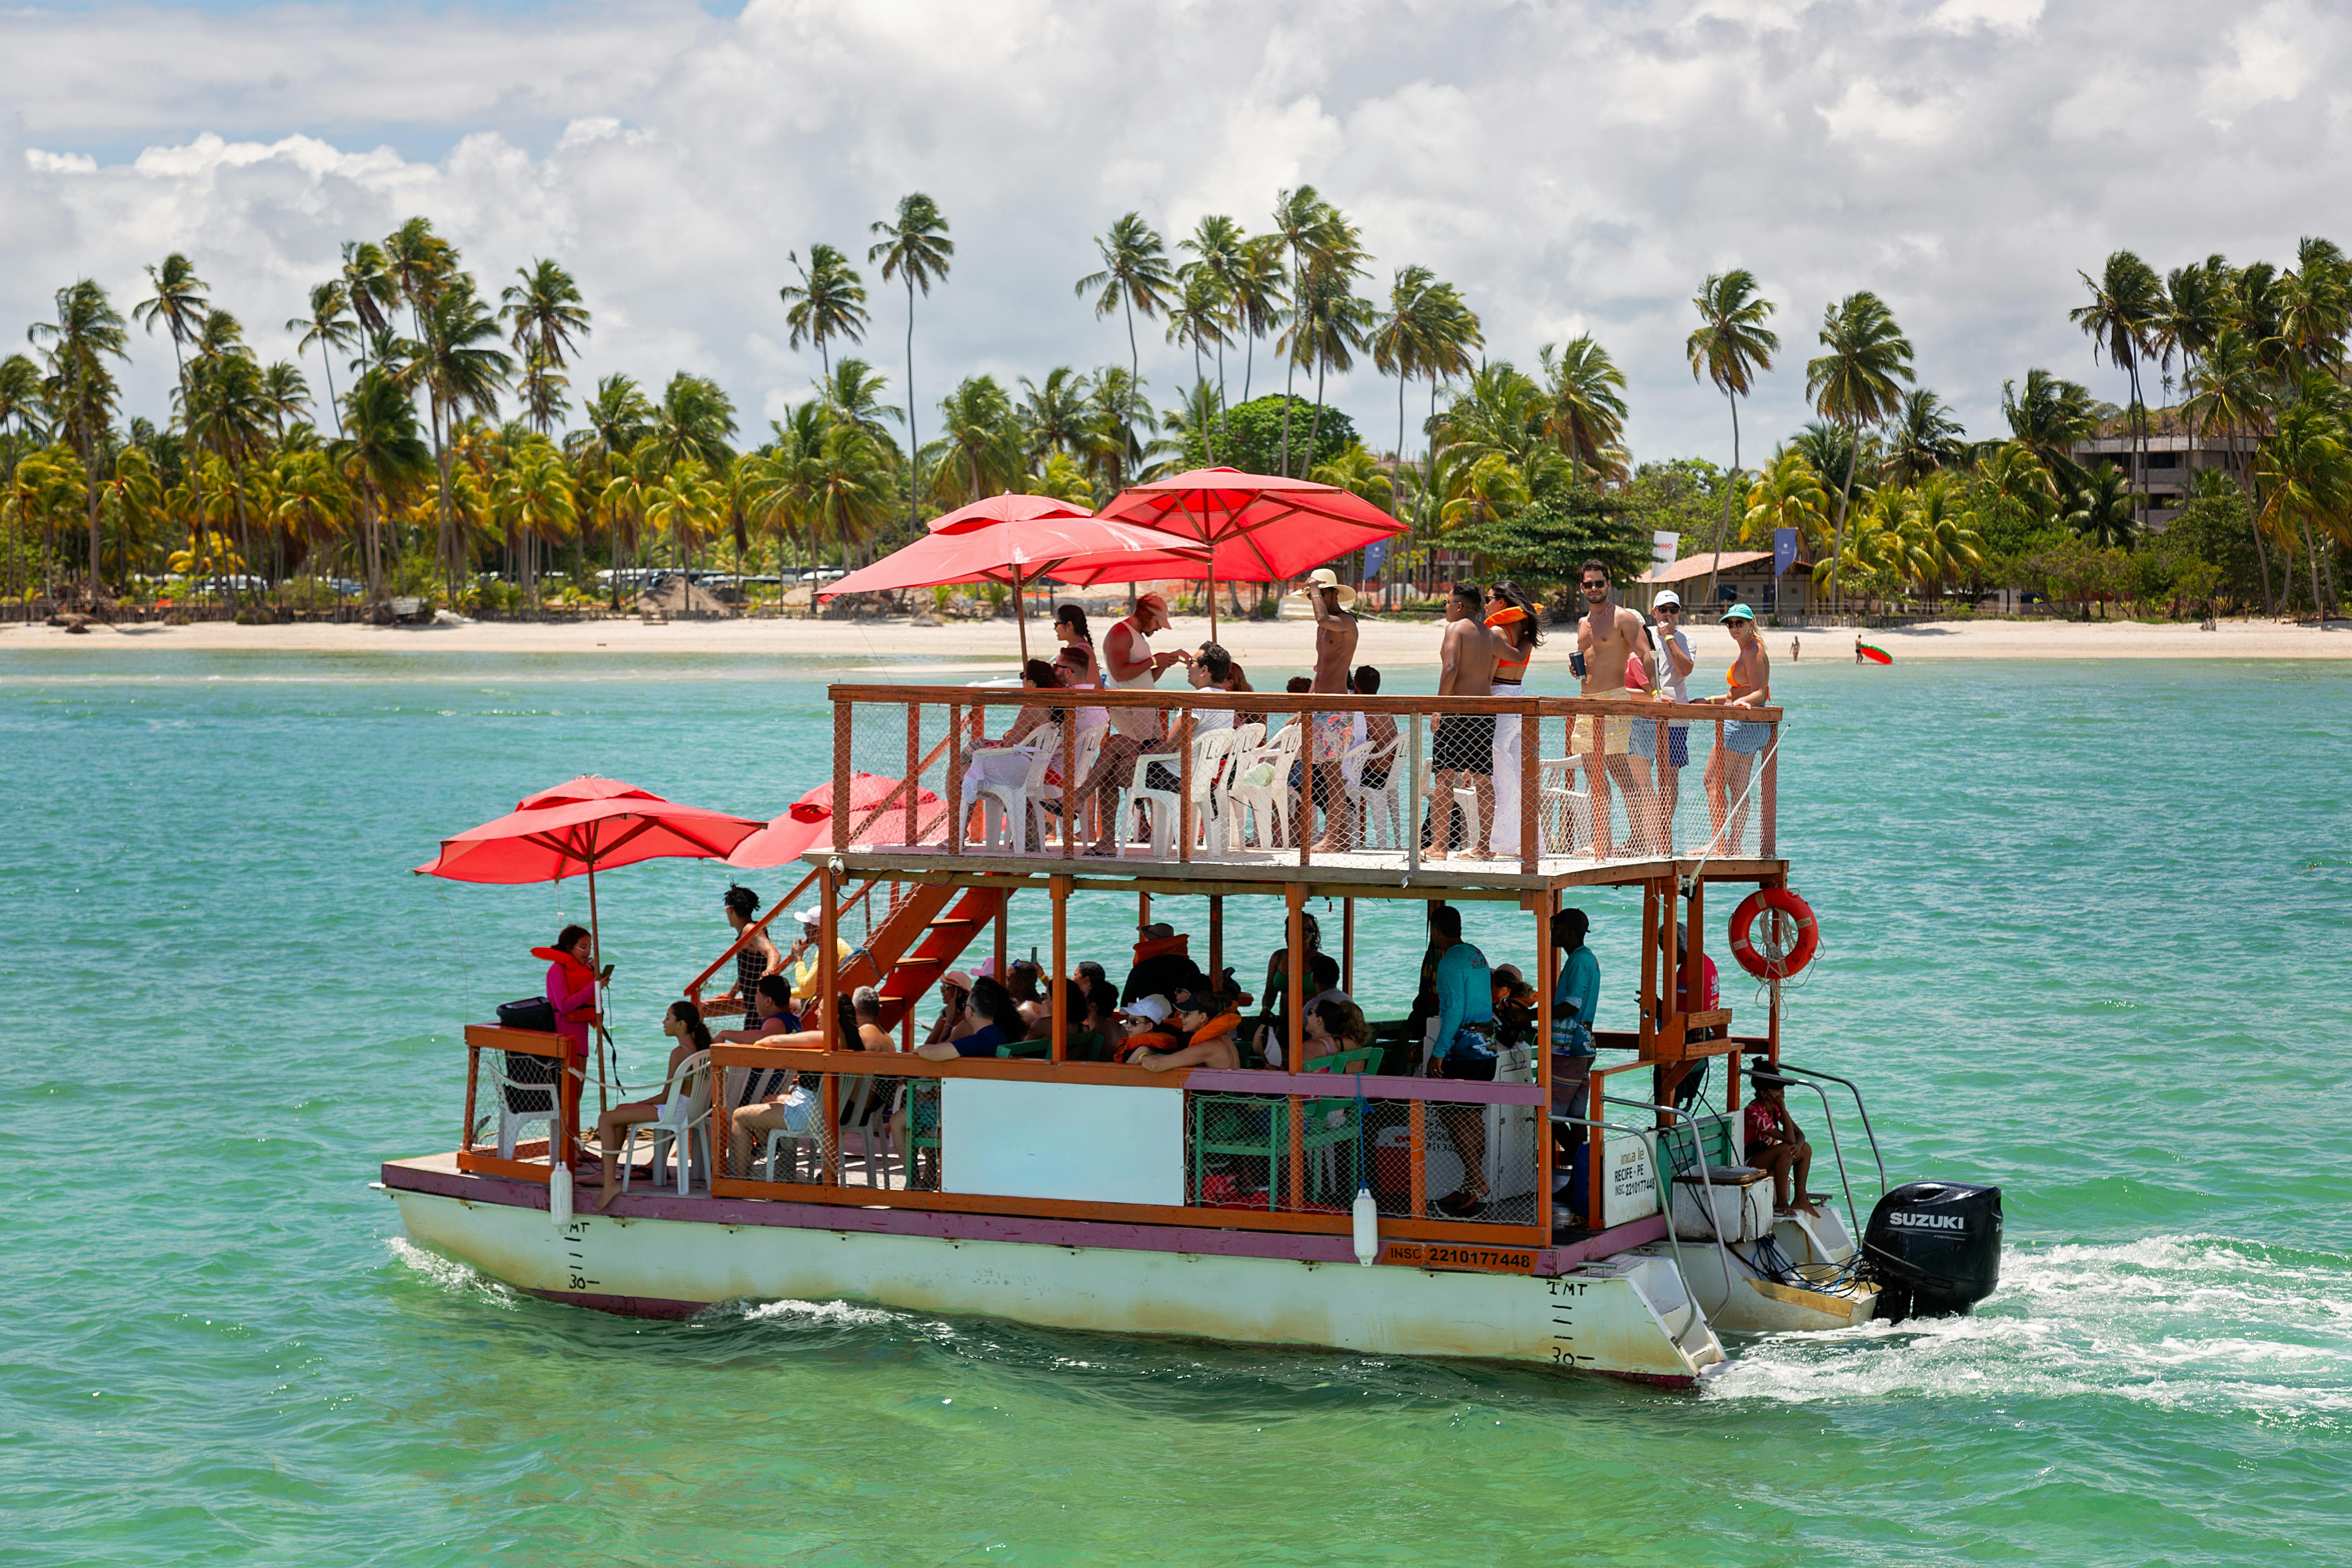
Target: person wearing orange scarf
pixel 571 992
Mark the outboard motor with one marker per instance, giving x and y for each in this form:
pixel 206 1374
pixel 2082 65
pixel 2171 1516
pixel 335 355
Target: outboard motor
pixel 1935 1248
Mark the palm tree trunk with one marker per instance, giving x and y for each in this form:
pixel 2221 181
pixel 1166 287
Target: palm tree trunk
pixel 2254 518
pixel 1730 492
pixel 1224 427
pixel 1289 375
pixel 1314 425
pixel 1134 374
pixel 914 445
pixel 1845 500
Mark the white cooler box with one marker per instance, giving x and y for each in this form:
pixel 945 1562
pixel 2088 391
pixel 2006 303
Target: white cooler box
pixel 1742 1198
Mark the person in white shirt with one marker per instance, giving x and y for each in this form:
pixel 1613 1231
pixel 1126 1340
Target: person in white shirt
pixel 1675 661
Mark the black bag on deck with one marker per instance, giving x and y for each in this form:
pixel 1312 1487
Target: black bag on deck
pixel 531 1012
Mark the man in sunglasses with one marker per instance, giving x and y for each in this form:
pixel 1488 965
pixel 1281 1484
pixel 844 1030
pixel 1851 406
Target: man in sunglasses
pixel 1617 654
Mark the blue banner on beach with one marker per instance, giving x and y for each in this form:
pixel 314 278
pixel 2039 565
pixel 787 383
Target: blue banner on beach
pixel 1784 550
pixel 1376 555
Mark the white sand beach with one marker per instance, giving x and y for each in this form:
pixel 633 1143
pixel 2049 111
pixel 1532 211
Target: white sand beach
pixel 1266 646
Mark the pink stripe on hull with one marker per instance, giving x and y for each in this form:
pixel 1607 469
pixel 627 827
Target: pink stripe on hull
pixel 649 1204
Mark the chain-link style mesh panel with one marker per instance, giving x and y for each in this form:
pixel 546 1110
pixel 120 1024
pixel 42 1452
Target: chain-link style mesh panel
pixel 1242 1152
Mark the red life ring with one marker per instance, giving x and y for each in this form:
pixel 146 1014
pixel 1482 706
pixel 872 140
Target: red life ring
pixel 1743 921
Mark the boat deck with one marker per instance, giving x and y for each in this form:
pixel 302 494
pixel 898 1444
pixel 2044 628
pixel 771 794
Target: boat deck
pixel 1368 873
pixel 438 1175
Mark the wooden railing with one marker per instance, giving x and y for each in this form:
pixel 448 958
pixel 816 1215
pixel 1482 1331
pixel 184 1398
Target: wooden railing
pixel 480 1037
pixel 875 726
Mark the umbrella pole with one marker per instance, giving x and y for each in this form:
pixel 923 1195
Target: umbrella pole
pixel 1020 613
pixel 597 946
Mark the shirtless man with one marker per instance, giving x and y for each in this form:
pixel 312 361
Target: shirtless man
pixel 1461 753
pixel 1610 637
pixel 1335 650
pixel 1129 663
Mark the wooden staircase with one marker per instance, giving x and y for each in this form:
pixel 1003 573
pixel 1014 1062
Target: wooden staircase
pixel 920 942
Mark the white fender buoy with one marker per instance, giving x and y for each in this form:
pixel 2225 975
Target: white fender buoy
pixel 1368 1225
pixel 558 1195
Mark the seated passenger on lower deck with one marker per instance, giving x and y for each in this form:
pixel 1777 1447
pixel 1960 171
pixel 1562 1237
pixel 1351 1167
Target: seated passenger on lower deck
pixel 1162 964
pixel 775 1101
pixel 683 1022
pixel 1144 1025
pixel 995 1021
pixel 1210 1016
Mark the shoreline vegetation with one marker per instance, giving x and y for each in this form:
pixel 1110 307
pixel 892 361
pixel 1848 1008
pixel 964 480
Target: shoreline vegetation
pixel 1268 649
pixel 451 458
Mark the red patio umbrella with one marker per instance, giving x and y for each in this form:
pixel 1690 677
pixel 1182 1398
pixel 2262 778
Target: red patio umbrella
pixel 875 801
pixel 1258 528
pixel 581 827
pixel 1064 542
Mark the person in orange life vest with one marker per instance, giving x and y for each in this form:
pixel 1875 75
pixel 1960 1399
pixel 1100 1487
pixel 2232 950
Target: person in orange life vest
pixel 1211 1017
pixel 1144 1025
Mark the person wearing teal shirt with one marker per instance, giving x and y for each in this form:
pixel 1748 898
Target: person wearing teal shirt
pixel 1575 1006
pixel 1464 1049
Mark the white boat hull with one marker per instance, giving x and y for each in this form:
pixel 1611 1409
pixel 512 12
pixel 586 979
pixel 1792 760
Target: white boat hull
pixel 1627 1315
pixel 1738 1299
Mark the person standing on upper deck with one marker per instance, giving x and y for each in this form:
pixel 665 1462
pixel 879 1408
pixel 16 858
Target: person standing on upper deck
pixel 1729 769
pixel 1461 753
pixel 1610 639
pixel 1128 665
pixel 1518 626
pixel 1672 646
pixel 1329 734
pixel 1465 1050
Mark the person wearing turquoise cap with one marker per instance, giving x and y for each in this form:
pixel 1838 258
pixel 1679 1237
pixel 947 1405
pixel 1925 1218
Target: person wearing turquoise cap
pixel 1729 769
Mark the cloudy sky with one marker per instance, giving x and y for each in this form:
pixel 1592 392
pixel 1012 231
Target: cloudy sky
pixel 1572 167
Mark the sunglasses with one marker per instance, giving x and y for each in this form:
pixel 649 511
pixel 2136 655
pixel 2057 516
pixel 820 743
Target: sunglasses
pixel 1596 587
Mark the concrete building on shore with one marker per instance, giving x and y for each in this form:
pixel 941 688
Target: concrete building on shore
pixel 2175 456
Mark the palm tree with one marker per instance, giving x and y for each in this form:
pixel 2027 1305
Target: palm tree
pixel 461 373
pixel 382 453
pixel 854 393
pixel 1357 471
pixel 1054 414
pixel 87 330
pixel 326 328
pixel 180 302
pixel 1221 252
pixel 1199 317
pixel 1854 384
pixel 2127 303
pixel 545 309
pixel 829 303
pixel 20 401
pixel 1259 290
pixel 284 393
pixel 367 284
pixel 1729 346
pixel 979 455
pixel 1135 276
pixel 1585 416
pixel 1301 218
pixel 848 485
pixel 2306 480
pixel 1925 438
pixel 2101 509
pixel 1404 340
pixel 917 250
pixel 2048 419
pixel 1788 493
pixel 696 420
pixel 2228 394
pixel 228 409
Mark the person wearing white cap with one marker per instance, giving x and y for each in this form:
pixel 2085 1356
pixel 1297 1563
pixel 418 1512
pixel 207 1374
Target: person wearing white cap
pixel 1675 661
pixel 1335 655
pixel 805 972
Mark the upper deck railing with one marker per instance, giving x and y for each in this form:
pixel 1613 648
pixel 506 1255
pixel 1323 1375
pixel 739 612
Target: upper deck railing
pixel 1366 785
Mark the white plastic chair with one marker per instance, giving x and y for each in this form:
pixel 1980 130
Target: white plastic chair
pixel 1566 811
pixel 1262 782
pixel 1159 805
pixel 1089 748
pixel 1380 800
pixel 1212 823
pixel 1009 811
pixel 523 1100
pixel 801 1110
pixel 684 1117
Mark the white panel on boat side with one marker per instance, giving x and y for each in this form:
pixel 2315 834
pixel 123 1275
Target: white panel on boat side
pixel 1098 1142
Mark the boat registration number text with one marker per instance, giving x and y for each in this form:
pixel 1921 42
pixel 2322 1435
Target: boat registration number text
pixel 1478 1259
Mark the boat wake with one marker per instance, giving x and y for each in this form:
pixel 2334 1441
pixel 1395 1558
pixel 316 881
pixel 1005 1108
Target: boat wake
pixel 450 1276
pixel 2191 1322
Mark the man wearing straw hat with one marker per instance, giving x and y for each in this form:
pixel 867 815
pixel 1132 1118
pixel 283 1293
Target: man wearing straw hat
pixel 1335 652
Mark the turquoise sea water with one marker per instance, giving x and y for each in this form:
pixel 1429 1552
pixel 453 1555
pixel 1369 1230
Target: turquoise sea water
pixel 2084 938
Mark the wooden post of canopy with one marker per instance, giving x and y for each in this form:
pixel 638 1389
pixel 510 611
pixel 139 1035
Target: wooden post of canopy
pixel 1645 1027
pixel 1184 795
pixel 1417 1184
pixel 1348 946
pixel 1294 896
pixel 955 780
pixel 1061 893
pixel 1070 787
pixel 914 764
pixel 1530 788
pixel 1596 783
pixel 1546 965
pixel 841 715
pixel 1003 918
pixel 828 983
pixel 1217 938
pixel 1596 1180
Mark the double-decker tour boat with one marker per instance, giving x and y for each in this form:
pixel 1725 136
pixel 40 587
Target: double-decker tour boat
pixel 1618 1230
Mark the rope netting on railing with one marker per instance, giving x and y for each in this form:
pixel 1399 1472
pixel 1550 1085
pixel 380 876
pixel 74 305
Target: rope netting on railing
pixel 1385 781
